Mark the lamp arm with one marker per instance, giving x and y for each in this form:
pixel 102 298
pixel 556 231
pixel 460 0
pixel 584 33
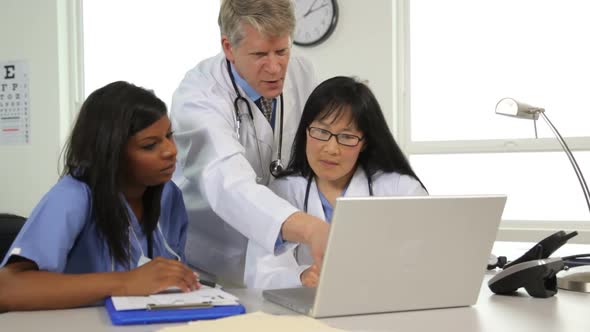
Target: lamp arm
pixel 570 156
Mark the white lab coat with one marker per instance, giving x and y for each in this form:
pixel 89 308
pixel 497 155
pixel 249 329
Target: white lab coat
pixel 217 172
pixel 283 271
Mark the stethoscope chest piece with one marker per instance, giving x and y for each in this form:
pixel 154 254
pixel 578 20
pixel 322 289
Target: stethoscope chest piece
pixel 276 167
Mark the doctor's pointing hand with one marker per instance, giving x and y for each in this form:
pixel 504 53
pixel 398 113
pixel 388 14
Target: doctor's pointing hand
pixel 235 116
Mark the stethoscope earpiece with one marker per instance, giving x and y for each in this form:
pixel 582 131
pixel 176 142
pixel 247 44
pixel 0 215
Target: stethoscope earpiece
pixel 276 167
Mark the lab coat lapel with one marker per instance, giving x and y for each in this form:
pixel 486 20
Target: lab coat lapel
pixel 292 116
pixel 358 184
pixel 314 204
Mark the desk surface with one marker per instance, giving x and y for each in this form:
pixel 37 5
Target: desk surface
pixel 566 311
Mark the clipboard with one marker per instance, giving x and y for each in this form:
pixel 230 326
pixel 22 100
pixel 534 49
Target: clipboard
pixel 145 316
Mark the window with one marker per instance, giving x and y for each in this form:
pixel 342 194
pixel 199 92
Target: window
pixel 148 43
pixel 462 58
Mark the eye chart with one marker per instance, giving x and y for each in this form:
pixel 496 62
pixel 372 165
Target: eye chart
pixel 15 124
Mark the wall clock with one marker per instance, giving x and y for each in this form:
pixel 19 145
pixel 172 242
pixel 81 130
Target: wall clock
pixel 316 20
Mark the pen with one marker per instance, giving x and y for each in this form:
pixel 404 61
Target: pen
pixel 153 306
pixel 207 283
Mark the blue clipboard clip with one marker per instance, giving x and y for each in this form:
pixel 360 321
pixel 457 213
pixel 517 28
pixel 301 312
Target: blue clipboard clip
pixel 155 306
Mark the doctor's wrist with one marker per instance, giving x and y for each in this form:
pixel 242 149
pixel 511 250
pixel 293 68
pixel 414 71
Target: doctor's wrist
pixel 294 228
pixel 300 227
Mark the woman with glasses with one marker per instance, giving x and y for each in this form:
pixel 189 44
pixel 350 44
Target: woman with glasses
pixel 342 147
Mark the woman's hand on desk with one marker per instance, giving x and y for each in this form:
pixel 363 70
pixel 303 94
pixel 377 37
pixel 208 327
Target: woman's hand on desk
pixel 24 287
pixel 311 276
pixel 158 275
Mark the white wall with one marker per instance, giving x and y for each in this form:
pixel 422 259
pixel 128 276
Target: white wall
pixel 362 45
pixel 37 31
pixel 31 30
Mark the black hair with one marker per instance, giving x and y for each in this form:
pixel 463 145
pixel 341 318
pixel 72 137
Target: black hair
pixel 334 97
pixel 95 154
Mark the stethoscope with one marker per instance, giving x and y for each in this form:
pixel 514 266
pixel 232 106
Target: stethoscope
pixel 276 166
pixel 310 178
pixel 297 253
pixel 143 258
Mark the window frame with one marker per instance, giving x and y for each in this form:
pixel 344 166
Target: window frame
pixel 75 59
pixel 510 230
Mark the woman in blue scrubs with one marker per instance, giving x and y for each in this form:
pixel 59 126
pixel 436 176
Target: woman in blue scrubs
pixel 114 224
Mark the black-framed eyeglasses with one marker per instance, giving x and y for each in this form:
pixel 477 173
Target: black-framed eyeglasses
pixel 325 135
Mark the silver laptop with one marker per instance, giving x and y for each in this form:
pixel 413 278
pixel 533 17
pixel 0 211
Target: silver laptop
pixel 388 254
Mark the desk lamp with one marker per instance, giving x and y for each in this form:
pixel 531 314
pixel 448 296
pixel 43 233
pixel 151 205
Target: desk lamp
pixel 509 107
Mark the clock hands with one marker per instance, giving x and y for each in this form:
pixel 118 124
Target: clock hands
pixel 316 9
pixel 311 9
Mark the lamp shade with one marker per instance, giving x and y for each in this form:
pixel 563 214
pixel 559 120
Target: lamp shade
pixel 516 109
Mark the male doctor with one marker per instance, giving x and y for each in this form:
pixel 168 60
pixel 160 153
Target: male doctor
pixel 227 139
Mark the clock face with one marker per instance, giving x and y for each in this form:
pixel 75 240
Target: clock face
pixel 316 20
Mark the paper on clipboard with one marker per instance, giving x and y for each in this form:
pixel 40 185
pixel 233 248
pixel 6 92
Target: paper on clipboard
pixel 213 296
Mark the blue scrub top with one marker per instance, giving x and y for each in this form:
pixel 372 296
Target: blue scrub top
pixel 61 236
pixel 328 208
